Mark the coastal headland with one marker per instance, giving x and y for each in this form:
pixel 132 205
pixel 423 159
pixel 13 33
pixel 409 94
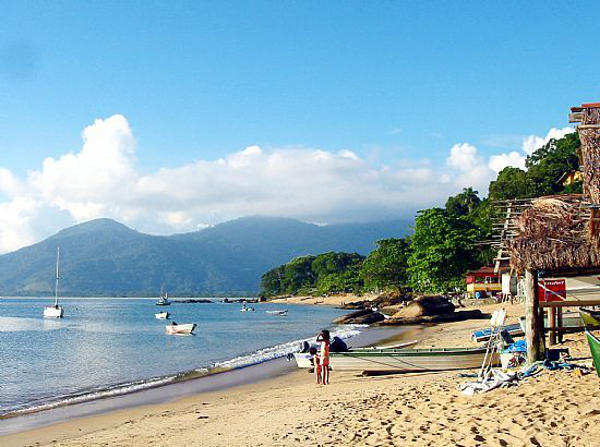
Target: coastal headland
pixel 554 408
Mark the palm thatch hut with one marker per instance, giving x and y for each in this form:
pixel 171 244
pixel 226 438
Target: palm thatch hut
pixel 559 233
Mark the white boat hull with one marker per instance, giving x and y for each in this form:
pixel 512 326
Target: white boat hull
pixel 281 313
pixel 162 316
pixel 53 312
pixel 303 359
pixel 180 329
pixel 408 360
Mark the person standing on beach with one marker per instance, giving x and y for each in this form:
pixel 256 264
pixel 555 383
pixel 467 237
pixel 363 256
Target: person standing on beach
pixel 316 361
pixel 323 338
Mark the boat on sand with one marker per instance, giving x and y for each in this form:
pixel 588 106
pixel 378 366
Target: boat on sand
pixel 595 349
pixel 180 329
pixel 409 360
pixel 590 317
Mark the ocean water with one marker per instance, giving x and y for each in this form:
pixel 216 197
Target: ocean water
pixel 110 346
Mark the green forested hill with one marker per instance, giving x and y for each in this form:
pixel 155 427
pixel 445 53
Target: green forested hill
pixel 104 257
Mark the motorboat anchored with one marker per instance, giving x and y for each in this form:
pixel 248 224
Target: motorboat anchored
pixel 180 329
pixel 282 313
pixel 162 315
pixel 409 360
pixel 55 311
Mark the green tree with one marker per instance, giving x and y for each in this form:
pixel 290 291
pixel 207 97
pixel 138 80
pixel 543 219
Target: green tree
pixel 547 165
pixel 511 183
pixel 385 267
pixel 464 203
pixel 441 251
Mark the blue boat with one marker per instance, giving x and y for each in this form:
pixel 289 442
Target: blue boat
pixel 514 330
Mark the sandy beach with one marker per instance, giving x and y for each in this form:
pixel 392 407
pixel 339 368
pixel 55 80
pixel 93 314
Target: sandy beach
pixel 560 408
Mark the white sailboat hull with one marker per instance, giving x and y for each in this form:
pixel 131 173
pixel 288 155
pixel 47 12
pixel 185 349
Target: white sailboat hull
pixel 162 316
pixel 180 329
pixel 53 312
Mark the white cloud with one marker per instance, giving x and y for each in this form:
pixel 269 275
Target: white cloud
pixel 533 142
pixel 102 180
pixel 498 162
pixel 471 168
pixel 530 144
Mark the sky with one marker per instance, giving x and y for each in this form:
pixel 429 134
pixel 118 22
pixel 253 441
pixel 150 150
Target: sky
pixel 171 116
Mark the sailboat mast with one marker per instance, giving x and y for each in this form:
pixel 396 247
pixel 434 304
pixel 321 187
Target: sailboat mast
pixel 57 276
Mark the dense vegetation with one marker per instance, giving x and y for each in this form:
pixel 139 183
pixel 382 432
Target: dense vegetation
pixel 445 240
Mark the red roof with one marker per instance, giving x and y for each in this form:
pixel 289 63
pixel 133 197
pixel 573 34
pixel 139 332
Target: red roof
pixel 591 105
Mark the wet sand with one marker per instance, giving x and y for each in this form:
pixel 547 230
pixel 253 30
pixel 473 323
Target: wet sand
pixel 558 408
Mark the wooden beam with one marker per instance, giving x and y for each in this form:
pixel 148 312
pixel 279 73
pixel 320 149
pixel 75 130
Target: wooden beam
pixel 571 303
pixel 533 320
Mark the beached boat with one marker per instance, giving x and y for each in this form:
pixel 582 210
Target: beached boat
pixel 180 329
pixel 409 360
pixel 589 317
pixel 277 312
pixel 162 315
pixel 55 311
pixel 514 330
pixel 303 359
pixel 163 300
pixel 595 349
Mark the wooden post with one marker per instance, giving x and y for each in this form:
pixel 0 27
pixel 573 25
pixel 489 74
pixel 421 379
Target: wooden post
pixel 560 323
pixel 533 333
pixel 552 321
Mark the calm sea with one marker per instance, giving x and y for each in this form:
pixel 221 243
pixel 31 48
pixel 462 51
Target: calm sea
pixel 110 346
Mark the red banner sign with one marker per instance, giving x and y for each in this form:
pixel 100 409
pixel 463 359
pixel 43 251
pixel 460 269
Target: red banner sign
pixel 552 290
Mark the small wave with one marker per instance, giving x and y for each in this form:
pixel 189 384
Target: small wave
pixel 244 360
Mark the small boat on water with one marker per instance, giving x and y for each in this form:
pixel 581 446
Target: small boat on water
pixel 590 317
pixel 246 308
pixel 595 349
pixel 180 329
pixel 55 311
pixel 162 315
pixel 514 330
pixel 282 313
pixel 409 360
pixel 163 300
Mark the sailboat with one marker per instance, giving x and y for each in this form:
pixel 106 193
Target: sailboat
pixel 55 311
pixel 163 300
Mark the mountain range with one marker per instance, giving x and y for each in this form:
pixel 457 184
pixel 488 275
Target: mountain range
pixel 103 257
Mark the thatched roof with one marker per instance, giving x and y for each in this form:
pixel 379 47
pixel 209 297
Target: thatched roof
pixel 552 234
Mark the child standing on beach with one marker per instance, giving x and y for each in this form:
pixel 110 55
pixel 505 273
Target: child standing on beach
pixel 316 363
pixel 323 338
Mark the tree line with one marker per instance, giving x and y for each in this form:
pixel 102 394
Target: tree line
pixel 445 244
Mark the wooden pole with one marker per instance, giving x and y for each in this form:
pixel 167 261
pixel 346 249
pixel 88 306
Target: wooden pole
pixel 533 333
pixel 552 321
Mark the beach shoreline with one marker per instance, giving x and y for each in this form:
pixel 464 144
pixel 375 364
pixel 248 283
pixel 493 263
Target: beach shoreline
pixel 554 408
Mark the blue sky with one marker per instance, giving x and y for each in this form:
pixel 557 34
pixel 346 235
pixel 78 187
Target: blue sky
pixel 396 83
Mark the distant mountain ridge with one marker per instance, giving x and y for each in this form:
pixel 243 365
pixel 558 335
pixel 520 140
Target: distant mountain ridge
pixel 103 257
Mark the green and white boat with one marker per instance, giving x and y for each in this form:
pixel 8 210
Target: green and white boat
pixel 595 348
pixel 409 360
pixel 590 317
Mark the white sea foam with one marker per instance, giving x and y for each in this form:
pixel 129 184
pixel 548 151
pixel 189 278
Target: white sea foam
pixel 281 350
